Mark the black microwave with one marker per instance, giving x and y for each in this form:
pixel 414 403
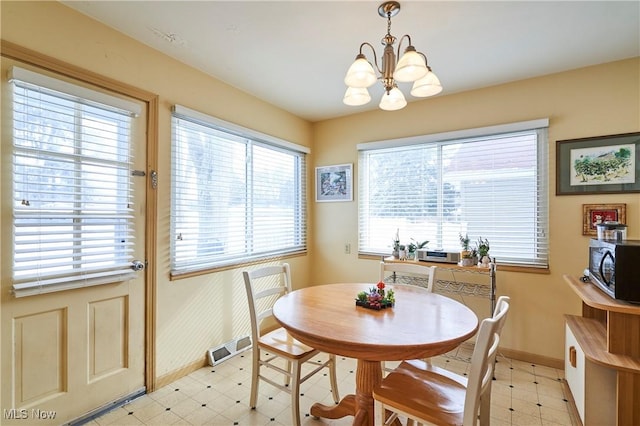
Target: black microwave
pixel 614 266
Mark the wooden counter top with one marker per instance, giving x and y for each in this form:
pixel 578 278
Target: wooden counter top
pixel 596 298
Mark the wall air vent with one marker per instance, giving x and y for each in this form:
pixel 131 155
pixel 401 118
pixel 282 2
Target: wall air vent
pixel 225 351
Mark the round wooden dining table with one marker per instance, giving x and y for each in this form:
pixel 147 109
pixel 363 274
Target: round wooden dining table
pixel 420 325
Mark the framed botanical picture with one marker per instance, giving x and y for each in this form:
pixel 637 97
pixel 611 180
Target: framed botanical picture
pixel 334 183
pixel 598 165
pixel 593 214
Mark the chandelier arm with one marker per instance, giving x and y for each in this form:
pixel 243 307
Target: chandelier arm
pixel 426 61
pixel 375 57
pixel 400 45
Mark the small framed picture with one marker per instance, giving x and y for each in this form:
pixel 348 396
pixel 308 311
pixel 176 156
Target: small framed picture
pixel 334 183
pixel 593 214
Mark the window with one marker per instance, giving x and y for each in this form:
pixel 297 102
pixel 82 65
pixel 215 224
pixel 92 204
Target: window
pixel 72 197
pixel 489 183
pixel 237 195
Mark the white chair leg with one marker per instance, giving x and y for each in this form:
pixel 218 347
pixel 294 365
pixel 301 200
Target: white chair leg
pixel 255 372
pixel 287 379
pixel 333 379
pixel 378 412
pixel 295 393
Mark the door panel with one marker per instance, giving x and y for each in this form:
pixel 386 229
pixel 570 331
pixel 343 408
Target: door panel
pixel 40 357
pixel 67 353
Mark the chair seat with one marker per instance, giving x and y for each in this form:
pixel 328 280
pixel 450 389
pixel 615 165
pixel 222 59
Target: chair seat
pixel 281 342
pixel 428 392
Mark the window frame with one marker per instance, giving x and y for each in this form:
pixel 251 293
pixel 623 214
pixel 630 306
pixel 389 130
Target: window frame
pixel 540 241
pixel 253 139
pixel 86 212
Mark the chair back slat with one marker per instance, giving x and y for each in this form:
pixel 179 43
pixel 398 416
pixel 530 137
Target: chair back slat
pixel 421 271
pixel 264 286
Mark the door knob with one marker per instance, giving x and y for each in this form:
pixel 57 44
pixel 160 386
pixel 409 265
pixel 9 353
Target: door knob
pixel 136 265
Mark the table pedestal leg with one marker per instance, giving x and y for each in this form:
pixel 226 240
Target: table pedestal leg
pixel 346 407
pixel 360 405
pixel 368 375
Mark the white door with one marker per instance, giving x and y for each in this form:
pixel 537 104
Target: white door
pixel 69 351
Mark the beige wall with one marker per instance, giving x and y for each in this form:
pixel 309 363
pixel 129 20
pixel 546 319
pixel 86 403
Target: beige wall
pixel 192 314
pixel 587 102
pixel 197 313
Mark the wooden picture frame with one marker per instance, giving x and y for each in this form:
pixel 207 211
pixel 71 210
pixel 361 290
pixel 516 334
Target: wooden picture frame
pixel 334 183
pixel 593 214
pixel 598 165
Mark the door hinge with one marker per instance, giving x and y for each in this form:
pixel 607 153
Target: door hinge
pixel 154 179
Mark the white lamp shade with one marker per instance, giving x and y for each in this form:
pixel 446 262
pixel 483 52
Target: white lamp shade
pixel 360 74
pixel 410 67
pixel 393 100
pixel 428 85
pixel 356 96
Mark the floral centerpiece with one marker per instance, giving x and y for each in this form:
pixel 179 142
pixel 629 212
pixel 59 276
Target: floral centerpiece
pixel 376 298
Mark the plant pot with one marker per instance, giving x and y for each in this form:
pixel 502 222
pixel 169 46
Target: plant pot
pixel 484 261
pixel 367 305
pixel 467 261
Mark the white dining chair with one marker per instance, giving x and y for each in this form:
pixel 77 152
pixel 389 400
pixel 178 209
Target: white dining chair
pixel 421 275
pixel 264 286
pixel 428 394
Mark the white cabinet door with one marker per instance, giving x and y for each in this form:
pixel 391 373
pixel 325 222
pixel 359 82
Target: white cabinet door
pixel 593 386
pixel 574 370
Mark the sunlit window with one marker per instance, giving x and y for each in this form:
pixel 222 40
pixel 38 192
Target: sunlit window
pixel 72 197
pixel 492 187
pixel 235 197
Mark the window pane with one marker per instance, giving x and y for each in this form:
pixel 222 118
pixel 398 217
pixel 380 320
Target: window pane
pixel 490 187
pixel 72 190
pixel 234 198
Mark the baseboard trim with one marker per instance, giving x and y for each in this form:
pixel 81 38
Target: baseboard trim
pixel 510 353
pixel 533 358
pixel 573 411
pixel 182 372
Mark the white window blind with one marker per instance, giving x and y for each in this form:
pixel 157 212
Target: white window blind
pixel 235 197
pixel 72 194
pixel 492 186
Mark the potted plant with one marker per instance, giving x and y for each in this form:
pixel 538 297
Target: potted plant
pixel 464 243
pixel 413 247
pixel 402 254
pixel 483 252
pixel 396 245
pixel 466 254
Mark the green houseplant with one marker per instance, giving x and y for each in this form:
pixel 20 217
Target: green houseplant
pixel 466 254
pixel 464 243
pixel 483 251
pixel 413 246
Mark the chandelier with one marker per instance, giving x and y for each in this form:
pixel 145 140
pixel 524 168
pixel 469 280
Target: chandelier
pixel 412 67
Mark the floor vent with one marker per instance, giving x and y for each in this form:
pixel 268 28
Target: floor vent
pixel 227 350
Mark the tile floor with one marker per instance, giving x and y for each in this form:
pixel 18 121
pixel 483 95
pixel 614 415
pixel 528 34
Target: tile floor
pixel 523 394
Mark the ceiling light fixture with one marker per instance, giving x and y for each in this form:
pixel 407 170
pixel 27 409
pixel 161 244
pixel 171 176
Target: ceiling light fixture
pixel 412 67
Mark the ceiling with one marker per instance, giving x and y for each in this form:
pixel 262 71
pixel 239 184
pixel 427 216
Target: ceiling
pixel 294 54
